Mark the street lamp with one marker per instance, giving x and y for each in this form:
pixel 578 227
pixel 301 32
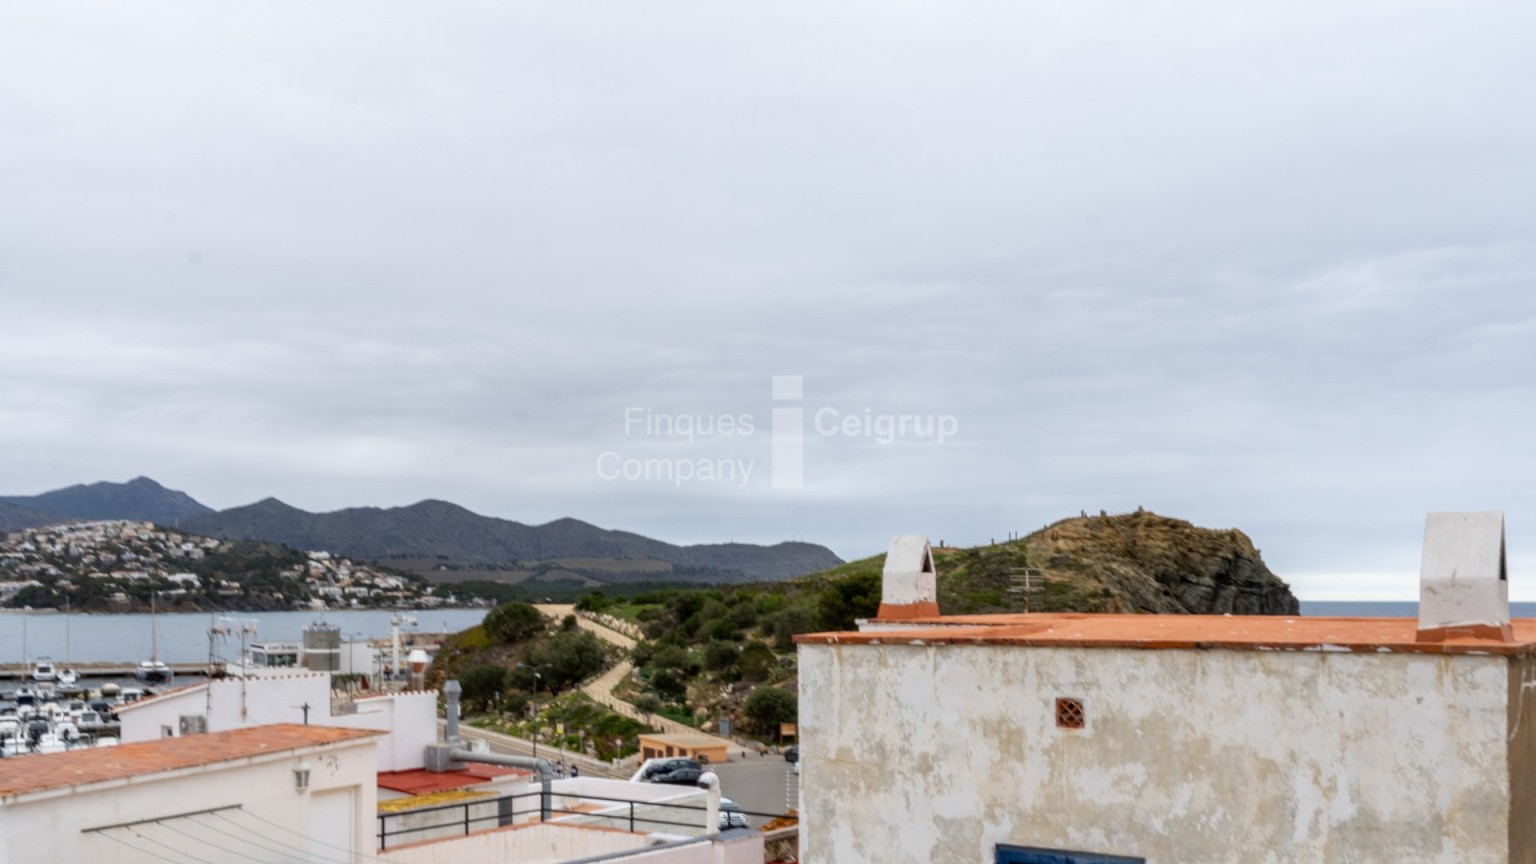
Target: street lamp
pixel 536 677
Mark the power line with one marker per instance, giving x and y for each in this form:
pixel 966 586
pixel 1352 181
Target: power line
pixel 283 848
pixel 262 859
pixel 281 827
pixel 142 851
pixel 163 845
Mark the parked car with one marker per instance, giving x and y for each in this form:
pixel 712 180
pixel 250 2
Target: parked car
pixel 664 766
pixel 731 815
pixel 792 754
pixel 679 777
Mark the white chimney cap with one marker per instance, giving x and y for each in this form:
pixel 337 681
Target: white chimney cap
pixel 908 586
pixel 1463 579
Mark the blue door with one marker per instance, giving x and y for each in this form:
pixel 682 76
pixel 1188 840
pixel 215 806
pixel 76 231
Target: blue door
pixel 1031 855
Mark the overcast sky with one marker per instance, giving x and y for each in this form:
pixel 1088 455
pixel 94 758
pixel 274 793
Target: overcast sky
pixel 1257 265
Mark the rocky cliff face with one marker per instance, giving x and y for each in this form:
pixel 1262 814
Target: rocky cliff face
pixel 1142 562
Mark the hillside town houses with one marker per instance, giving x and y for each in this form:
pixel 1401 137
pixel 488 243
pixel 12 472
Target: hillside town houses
pixel 122 552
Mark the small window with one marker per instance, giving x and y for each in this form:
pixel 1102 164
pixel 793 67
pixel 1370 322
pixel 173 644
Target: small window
pixel 1069 714
pixel 1033 855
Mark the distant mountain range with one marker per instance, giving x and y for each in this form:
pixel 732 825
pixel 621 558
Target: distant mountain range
pixel 435 530
pixel 140 498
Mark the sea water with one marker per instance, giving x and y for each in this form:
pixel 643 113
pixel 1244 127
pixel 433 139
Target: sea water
pixel 183 637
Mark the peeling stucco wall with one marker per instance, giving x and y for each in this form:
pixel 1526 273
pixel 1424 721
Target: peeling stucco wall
pixel 918 753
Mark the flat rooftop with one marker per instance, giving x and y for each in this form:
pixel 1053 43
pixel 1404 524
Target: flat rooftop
pixel 422 782
pixel 1234 632
pixel 40 772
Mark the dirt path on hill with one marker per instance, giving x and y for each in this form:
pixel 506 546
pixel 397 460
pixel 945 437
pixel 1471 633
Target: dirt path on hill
pixel 600 689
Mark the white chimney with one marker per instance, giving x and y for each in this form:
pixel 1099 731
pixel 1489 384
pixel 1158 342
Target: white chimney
pixel 907 588
pixel 1463 580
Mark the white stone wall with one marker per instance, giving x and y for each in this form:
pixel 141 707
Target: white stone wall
pixel 266 700
pixel 50 829
pixel 938 753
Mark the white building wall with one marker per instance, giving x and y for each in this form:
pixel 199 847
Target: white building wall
pixel 939 753
pixel 50 829
pixel 410 719
pixel 525 844
pixel 264 700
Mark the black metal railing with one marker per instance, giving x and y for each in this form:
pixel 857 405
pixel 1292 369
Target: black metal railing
pixel 459 815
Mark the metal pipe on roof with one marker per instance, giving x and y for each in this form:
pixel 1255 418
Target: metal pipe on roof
pixel 545 770
pixel 451 691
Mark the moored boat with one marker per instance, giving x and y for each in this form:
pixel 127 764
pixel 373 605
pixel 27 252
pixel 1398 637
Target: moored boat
pixel 153 672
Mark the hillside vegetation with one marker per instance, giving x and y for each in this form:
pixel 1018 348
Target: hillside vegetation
pixel 520 673
pixel 1135 562
pixel 708 653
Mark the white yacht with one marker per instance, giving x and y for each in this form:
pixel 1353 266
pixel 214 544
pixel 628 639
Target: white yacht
pixel 43 670
pixel 153 672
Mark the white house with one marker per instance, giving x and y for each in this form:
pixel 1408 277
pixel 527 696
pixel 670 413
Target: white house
pixel 287 793
pixel 274 793
pixel 408 720
pixel 1070 738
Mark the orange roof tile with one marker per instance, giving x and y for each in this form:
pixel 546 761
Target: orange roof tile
pixel 27 774
pixel 1237 632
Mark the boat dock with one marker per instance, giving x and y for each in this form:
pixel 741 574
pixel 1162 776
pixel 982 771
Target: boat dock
pixel 23 671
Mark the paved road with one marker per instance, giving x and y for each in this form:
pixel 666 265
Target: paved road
pixel 758 784
pixel 512 746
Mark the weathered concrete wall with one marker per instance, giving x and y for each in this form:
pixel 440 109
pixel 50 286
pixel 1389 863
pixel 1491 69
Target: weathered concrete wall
pixel 1522 760
pixel 938 753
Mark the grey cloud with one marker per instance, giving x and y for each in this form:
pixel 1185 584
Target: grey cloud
pixel 1264 266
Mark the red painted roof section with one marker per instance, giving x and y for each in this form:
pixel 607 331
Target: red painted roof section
pixel 43 771
pixel 423 782
pixel 1237 632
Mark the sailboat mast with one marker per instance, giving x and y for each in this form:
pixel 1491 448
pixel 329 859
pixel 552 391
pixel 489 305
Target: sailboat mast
pixel 67 652
pixel 154 629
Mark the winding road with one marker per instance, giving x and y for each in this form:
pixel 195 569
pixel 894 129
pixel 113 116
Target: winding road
pixel 600 689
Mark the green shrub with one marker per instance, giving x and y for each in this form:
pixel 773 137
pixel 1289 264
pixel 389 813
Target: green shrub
pixel 846 599
pixel 513 622
pixel 593 601
pixel 571 657
pixel 720 656
pixel 671 657
pixel 767 707
pixel 757 662
pixel 483 685
pixel 669 684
